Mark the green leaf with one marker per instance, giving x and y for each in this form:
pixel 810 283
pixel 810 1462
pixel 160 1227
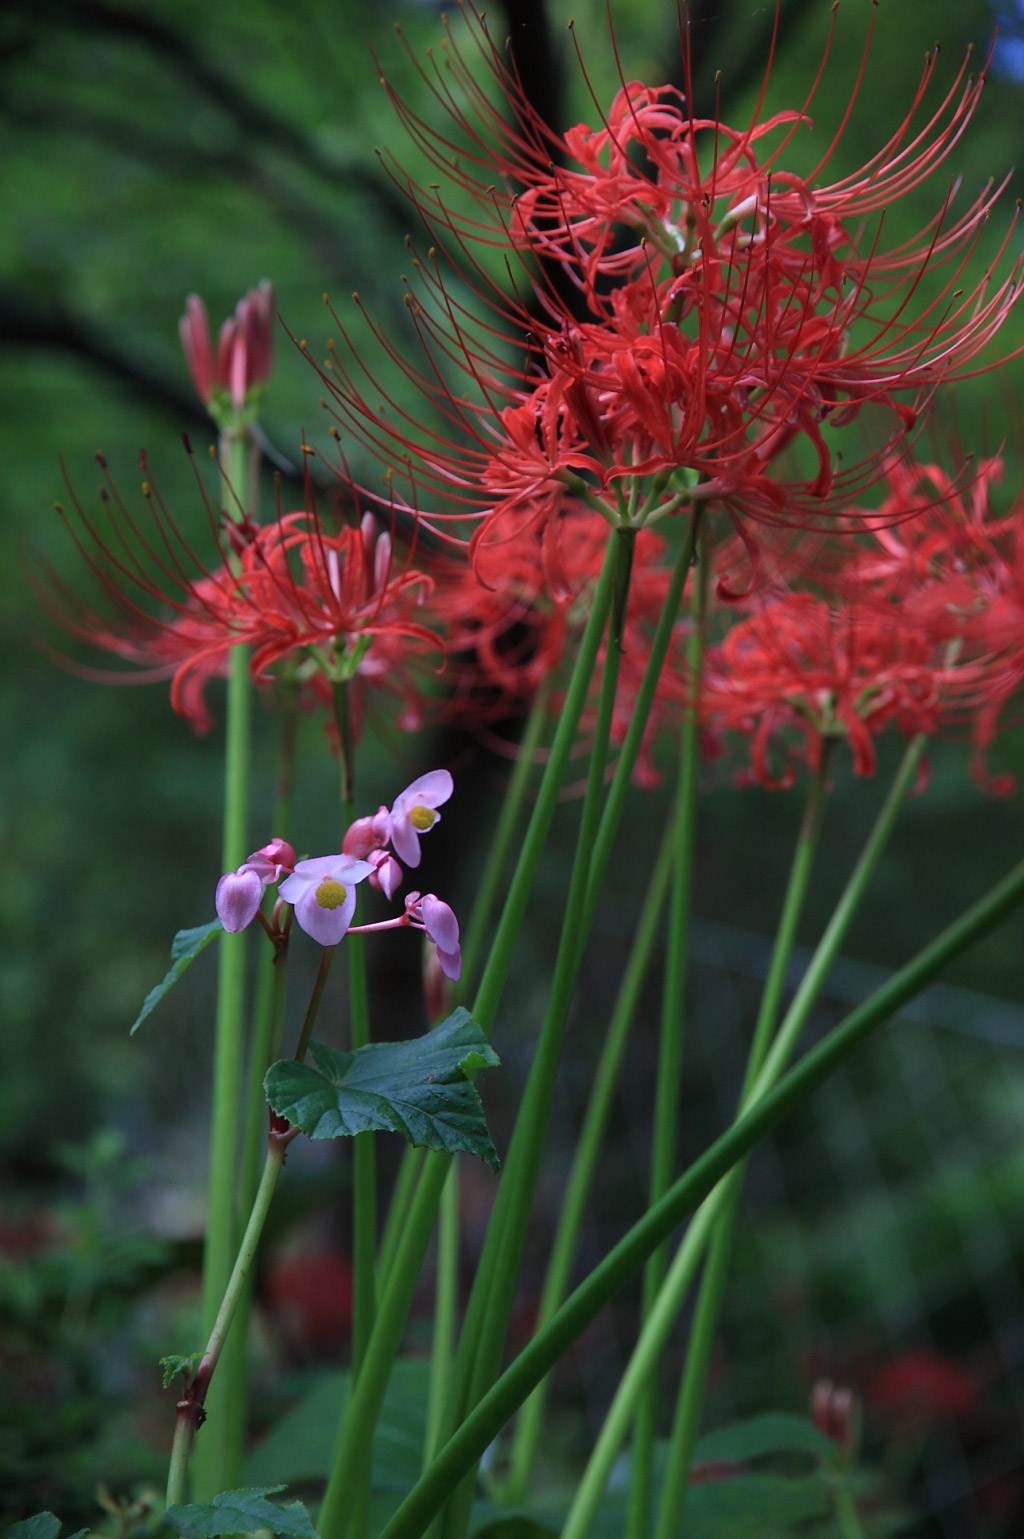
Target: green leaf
pixel 776 1432
pixel 421 1089
pixel 42 1526
pixel 240 1512
pixel 176 1364
pixel 300 1447
pixel 185 947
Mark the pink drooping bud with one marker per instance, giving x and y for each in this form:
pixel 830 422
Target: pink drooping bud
pixel 442 928
pixel 238 899
pixel 834 1411
pixel 388 874
pixel 271 861
pixel 244 349
pixel 367 834
pixel 415 811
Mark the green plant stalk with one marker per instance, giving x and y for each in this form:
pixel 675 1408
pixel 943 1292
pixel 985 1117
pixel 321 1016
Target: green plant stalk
pixel 501 1402
pixel 847 1517
pixel 475 930
pixel 686 1422
pixel 190 1407
pixel 445 1307
pixel 264 1046
pixel 631 744
pixel 501 842
pixel 353 1449
pixel 670 1043
pixel 409 1170
pixel 490 1303
pixel 218 1463
pixel 684 1268
pixel 581 1174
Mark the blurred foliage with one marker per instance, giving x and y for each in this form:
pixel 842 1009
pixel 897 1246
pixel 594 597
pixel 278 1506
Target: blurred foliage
pixel 153 151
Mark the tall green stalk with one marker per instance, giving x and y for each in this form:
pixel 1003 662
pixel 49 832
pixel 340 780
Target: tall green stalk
pixel 218 1461
pixel 355 1435
pixel 501 1402
pixel 668 1083
pixel 683 1269
pixel 686 1422
pixel 490 1303
pixel 581 1173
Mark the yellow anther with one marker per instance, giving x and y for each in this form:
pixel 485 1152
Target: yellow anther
pixel 422 818
pixel 330 894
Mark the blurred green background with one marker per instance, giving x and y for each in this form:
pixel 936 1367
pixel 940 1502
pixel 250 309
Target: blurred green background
pixel 153 151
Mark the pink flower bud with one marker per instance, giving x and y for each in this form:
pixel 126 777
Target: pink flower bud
pixel 238 899
pixel 272 861
pixel 367 834
pixel 387 878
pixel 442 928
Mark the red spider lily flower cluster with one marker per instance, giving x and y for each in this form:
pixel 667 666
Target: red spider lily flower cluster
pixel 732 313
pixel 313 607
pixel 920 629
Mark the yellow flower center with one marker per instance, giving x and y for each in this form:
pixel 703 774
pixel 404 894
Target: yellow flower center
pixel 330 894
pixel 422 818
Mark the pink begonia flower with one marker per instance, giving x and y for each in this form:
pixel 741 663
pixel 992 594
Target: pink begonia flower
pixel 414 812
pixel 442 928
pixel 238 899
pixel 323 894
pixel 367 834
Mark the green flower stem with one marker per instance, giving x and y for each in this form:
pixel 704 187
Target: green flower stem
pixel 364 1164
pixel 501 1402
pixel 684 1268
pixel 670 1043
pixel 508 819
pixel 409 1171
pixel 633 740
pixel 581 1174
pixel 353 1449
pixel 445 1306
pixel 264 1046
pixel 847 1517
pixel 486 1323
pixel 190 1407
pixel 219 1460
pixel 690 1402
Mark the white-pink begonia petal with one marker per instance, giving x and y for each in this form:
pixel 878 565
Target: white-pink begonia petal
pixel 451 963
pixel 405 840
pixel 327 926
pixel 238 899
pixel 430 790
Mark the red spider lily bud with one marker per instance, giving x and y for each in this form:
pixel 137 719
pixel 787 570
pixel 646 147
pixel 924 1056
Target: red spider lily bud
pixel 835 1412
pixel 244 350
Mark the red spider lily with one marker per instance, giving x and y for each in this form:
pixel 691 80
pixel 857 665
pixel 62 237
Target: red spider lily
pixel 737 313
pixel 799 670
pixel 922 629
pixel 330 606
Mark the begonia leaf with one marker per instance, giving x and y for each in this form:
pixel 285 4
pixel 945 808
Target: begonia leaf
pixel 421 1089
pixel 775 1432
pixel 42 1525
pixel 185 947
pixel 240 1512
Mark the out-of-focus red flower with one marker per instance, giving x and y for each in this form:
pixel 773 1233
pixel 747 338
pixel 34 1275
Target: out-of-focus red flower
pixel 313 1295
pixel 918 1389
